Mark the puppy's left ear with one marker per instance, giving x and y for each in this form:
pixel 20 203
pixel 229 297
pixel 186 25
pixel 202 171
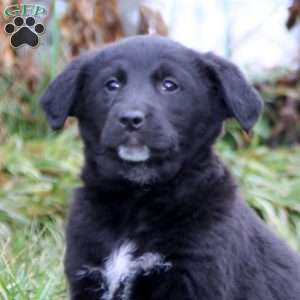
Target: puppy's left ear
pixel 241 99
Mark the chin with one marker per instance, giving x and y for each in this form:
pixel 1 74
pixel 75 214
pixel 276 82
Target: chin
pixel 141 174
pixel 150 172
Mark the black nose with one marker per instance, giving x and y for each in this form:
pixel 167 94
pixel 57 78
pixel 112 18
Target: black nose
pixel 133 119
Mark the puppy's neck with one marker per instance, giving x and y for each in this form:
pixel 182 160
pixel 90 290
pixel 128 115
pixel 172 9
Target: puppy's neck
pixel 201 176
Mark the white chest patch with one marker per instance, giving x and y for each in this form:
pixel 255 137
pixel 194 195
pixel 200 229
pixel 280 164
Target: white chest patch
pixel 117 268
pixel 122 267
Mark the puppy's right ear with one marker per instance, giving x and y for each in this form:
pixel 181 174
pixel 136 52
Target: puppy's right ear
pixel 60 99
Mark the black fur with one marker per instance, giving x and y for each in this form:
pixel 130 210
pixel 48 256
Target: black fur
pixel 181 203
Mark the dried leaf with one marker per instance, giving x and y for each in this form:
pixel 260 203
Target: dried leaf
pixel 151 22
pixel 86 26
pixel 294 14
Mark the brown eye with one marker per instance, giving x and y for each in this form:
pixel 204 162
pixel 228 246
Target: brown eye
pixel 112 85
pixel 169 85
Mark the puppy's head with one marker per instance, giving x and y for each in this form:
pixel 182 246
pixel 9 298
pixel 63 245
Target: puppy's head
pixel 147 106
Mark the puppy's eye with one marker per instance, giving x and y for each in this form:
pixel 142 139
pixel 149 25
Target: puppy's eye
pixel 112 85
pixel 169 85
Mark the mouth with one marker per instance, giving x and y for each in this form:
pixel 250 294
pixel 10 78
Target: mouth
pixel 134 153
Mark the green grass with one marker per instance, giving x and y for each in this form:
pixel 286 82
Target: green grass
pixel 31 262
pixel 36 180
pixel 37 177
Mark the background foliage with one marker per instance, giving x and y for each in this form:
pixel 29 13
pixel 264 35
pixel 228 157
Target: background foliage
pixel 39 168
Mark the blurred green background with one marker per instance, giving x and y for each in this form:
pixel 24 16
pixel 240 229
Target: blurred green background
pixel 39 168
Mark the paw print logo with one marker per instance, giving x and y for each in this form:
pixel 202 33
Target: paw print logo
pixel 24 32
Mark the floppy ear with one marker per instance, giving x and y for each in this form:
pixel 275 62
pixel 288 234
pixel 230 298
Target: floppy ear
pixel 60 99
pixel 240 98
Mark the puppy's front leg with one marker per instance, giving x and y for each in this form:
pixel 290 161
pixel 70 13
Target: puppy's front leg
pixel 143 267
pixel 154 278
pixel 164 286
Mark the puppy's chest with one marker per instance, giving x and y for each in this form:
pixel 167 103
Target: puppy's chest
pixel 124 264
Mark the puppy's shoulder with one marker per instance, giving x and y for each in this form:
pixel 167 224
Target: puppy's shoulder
pixel 83 206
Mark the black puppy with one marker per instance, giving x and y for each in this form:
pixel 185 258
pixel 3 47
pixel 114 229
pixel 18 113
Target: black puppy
pixel 159 216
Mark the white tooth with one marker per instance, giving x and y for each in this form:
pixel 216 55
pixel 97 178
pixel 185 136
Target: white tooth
pixel 134 153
